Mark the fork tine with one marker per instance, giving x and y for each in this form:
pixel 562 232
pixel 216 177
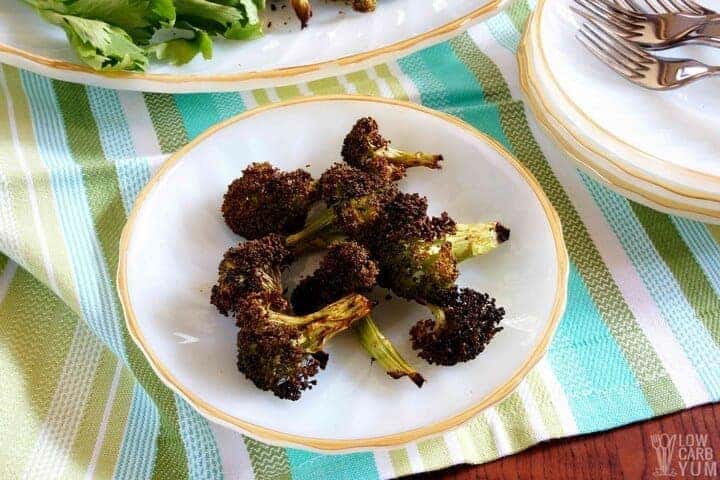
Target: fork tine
pixel 633 5
pixel 585 11
pixel 628 49
pixel 668 6
pixel 672 6
pixel 610 8
pixel 675 7
pixel 625 4
pixel 598 50
pixel 690 6
pixel 620 53
pixel 607 41
pixel 651 5
pixel 611 14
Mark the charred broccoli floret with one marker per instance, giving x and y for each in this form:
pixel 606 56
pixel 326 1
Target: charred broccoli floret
pixel 418 269
pixel 364 5
pixel 303 10
pixel 354 198
pixel 465 322
pixel 280 352
pixel 347 268
pixel 250 267
pixel 417 254
pixel 365 148
pixel 266 200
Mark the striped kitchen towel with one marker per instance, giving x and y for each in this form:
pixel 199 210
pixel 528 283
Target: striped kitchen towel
pixel 640 338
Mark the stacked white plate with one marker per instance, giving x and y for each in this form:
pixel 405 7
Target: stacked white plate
pixel 657 148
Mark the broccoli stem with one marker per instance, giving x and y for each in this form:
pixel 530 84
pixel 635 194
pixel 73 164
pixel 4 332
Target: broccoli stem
pixel 351 307
pixel 439 315
pixel 471 240
pixel 409 159
pixel 321 326
pixel 314 230
pixel 379 347
pixel 322 229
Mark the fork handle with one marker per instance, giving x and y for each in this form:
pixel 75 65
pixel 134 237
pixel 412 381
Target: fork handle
pixel 709 31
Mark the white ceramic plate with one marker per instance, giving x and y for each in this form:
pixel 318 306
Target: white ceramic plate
pixel 175 238
pixel 656 147
pixel 333 44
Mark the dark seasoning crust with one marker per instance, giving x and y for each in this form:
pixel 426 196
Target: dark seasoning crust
pixel 251 267
pixel 346 268
pixel 374 234
pixel 265 200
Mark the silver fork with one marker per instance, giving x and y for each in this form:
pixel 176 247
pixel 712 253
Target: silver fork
pixel 670 6
pixel 637 65
pixel 666 6
pixel 652 30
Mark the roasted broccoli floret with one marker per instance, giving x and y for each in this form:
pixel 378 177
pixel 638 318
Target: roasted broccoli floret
pixel 465 322
pixel 418 269
pixel 417 254
pixel 364 5
pixel 347 268
pixel 280 352
pixel 251 267
pixel 303 10
pixel 365 148
pixel 405 219
pixel 266 200
pixel 354 198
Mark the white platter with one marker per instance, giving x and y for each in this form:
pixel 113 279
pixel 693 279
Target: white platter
pixel 333 44
pixel 175 238
pixel 655 147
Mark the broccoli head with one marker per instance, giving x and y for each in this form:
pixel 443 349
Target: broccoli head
pixel 465 322
pixel 251 267
pixel 267 200
pixel 417 254
pixel 347 268
pixel 364 5
pixel 416 270
pixel 365 148
pixel 282 353
pixel 419 269
pixel 354 198
pixel 409 247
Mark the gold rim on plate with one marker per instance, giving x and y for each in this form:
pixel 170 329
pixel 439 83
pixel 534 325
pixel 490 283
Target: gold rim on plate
pixel 397 48
pixel 535 24
pixel 545 118
pixel 284 439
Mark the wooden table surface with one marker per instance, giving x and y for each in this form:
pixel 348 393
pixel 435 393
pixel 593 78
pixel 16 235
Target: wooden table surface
pixel 625 452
